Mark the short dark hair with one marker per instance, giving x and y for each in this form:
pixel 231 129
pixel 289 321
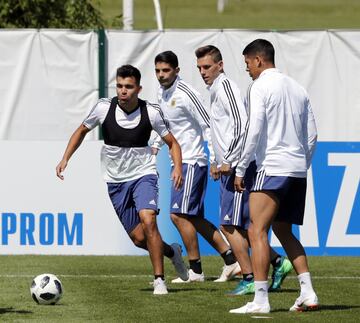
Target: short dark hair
pixel 129 71
pixel 262 48
pixel 211 50
pixel 168 57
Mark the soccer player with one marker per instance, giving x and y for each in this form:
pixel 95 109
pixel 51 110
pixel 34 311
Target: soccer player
pixel 228 117
pixel 189 123
pixel 129 167
pixel 282 135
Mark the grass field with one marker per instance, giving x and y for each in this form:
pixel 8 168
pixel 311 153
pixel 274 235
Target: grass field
pixel 249 14
pixel 117 289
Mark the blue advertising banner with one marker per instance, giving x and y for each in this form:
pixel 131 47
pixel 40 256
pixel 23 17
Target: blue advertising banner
pixel 332 216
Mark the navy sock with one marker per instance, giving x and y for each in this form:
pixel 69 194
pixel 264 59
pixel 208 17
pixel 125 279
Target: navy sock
pixel 248 277
pixel 195 265
pixel 228 257
pixel 168 250
pixel 276 262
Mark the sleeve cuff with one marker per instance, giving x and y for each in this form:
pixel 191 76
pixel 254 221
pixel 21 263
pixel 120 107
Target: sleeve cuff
pixel 239 172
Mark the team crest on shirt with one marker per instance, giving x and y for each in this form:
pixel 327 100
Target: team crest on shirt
pixel 173 103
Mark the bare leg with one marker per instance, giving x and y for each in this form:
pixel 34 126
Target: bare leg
pixel 263 208
pixel 239 246
pixel 292 246
pixel 210 233
pixel 153 240
pixel 138 237
pixel 188 234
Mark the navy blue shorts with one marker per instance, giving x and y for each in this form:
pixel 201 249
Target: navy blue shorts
pixel 291 192
pixel 234 206
pixel 128 198
pixel 189 199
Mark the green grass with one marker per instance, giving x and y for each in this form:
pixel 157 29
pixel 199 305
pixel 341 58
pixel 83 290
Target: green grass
pixel 117 289
pixel 249 14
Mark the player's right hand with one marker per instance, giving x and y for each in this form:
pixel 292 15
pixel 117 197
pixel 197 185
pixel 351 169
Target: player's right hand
pixel 177 178
pixel 60 168
pixel 154 151
pixel 239 184
pixel 214 172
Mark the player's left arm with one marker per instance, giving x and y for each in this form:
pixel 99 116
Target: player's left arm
pixel 311 133
pixel 252 135
pixel 231 99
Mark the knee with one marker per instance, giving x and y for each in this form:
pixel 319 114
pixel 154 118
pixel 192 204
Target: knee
pixel 178 219
pixel 140 243
pixel 255 232
pixel 251 232
pixel 174 218
pixel 227 229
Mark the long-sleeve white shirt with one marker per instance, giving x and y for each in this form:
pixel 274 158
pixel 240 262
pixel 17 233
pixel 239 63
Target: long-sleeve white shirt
pixel 188 119
pixel 281 132
pixel 228 117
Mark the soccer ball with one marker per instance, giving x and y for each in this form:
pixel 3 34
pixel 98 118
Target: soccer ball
pixel 46 289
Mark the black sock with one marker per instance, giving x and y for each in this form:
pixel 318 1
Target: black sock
pixel 228 257
pixel 276 261
pixel 168 250
pixel 248 277
pixel 159 276
pixel 195 265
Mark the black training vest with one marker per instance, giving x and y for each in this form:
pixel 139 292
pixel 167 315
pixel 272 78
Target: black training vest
pixel 115 135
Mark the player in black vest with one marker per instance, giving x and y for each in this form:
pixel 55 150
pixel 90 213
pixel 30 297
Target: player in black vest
pixel 130 168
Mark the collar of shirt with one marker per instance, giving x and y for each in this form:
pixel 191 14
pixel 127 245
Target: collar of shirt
pixel 167 92
pixel 269 70
pixel 216 82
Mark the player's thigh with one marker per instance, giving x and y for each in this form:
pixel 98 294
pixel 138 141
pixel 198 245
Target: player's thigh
pixel 263 209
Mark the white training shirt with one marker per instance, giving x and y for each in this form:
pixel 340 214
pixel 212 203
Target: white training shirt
pixel 281 130
pixel 228 117
pixel 123 164
pixel 188 120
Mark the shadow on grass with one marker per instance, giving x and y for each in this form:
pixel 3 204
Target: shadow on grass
pixel 4 310
pixel 177 290
pixel 323 308
pixel 285 290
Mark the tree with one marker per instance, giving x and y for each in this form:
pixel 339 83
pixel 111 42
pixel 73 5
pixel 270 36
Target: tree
pixel 73 14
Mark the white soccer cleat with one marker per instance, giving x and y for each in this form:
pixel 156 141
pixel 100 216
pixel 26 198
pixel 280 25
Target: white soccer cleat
pixel 308 303
pixel 160 287
pixel 178 262
pixel 229 272
pixel 252 307
pixel 193 277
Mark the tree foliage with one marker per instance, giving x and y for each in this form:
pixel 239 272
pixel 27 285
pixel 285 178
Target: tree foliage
pixel 73 14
